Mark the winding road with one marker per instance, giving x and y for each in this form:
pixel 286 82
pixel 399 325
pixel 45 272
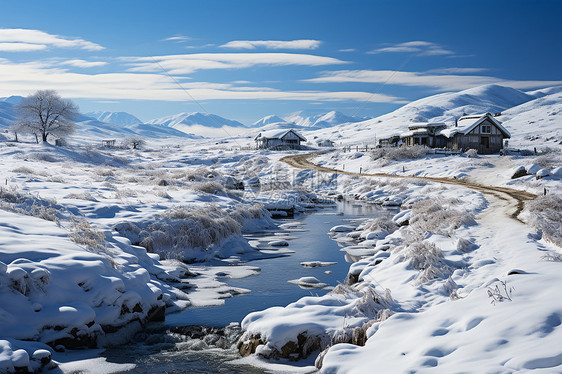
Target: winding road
pixel 515 199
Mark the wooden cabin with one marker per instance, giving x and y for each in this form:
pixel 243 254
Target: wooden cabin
pixel 481 132
pixel 279 139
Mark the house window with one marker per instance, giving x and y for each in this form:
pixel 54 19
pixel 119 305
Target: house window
pixel 486 129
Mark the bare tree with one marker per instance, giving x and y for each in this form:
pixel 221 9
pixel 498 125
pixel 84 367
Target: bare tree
pixel 45 113
pixel 134 142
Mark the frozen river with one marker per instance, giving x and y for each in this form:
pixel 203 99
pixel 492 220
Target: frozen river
pixel 166 349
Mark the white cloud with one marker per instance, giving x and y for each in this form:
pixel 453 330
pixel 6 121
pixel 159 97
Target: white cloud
pixel 40 40
pixel 442 82
pixel 273 44
pixel 25 78
pixel 83 63
pixel 189 63
pixel 458 70
pixel 347 50
pixel 421 48
pixel 178 38
pixel 21 47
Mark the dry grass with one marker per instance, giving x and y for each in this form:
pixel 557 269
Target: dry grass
pixel 546 216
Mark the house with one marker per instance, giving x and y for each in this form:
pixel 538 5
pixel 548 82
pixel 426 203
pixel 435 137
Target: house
pixel 279 139
pixel 481 132
pixel 424 134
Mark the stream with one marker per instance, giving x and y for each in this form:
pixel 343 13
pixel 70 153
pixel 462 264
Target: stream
pixel 182 345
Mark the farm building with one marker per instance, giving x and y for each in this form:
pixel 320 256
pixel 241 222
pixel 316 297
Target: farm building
pixel 481 132
pixel 279 139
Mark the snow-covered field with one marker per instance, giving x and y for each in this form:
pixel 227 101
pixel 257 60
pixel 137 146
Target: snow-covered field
pixel 96 242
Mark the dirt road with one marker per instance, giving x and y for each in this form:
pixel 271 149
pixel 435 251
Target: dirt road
pixel 514 199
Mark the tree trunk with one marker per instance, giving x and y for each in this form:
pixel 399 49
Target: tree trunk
pixel 36 139
pixel 45 137
pixel 16 134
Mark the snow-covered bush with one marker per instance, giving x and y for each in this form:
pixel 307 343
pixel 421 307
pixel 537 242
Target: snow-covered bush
pixel 428 259
pixel 400 153
pixel 546 216
pixel 437 215
pixel 24 203
pixel 210 187
pixel 83 233
pixel 182 229
pixel 471 153
pixel 23 170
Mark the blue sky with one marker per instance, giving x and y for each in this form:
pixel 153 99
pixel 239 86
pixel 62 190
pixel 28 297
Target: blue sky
pixel 247 59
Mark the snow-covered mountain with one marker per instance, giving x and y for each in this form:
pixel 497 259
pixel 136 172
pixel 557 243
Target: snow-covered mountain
pixel 316 119
pixel 204 124
pixel 445 107
pixel 195 118
pixel 117 118
pixel 268 120
pixel 306 120
pixel 89 128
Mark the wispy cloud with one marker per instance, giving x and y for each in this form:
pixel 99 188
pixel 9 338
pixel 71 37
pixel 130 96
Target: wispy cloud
pixel 441 82
pixel 273 44
pixel 347 50
pixel 189 63
pixel 421 48
pixel 178 38
pixel 24 78
pixel 83 63
pixel 25 40
pixel 458 70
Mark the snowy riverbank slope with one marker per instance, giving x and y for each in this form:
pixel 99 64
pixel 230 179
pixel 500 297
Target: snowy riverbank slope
pixel 76 225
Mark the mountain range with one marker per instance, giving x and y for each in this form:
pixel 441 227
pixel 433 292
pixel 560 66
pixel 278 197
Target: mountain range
pixel 525 114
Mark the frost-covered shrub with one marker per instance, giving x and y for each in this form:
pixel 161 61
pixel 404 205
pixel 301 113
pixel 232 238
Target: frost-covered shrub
pixel 428 259
pixel 471 153
pixel 23 170
pixel 105 172
pixel 380 223
pixel 437 215
pixel 83 233
pixel 124 193
pixel 24 203
pixel 44 157
pixel 210 187
pixel 546 216
pixel 201 174
pixel 183 228
pixel 81 196
pixel 400 153
pixel 548 161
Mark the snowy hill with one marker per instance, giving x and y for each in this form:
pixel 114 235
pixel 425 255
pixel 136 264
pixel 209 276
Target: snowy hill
pixel 445 107
pixel 116 118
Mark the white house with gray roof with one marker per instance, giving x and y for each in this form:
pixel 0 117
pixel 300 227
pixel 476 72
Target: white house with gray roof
pixel 279 139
